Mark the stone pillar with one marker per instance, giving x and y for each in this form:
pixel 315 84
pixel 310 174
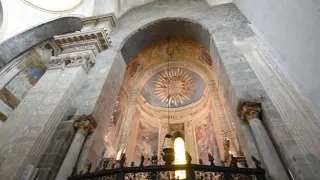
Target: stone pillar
pixel 84 125
pixel 127 120
pixel 249 111
pixel 29 143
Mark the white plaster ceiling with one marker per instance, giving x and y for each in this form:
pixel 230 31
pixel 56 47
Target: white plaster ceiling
pixel 54 6
pixel 23 14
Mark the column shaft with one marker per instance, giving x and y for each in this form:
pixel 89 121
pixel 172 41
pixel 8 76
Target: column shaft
pixel 84 124
pixel 71 158
pixel 270 157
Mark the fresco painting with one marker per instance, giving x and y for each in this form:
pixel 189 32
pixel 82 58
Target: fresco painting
pixel 203 140
pixel 30 71
pixel 147 142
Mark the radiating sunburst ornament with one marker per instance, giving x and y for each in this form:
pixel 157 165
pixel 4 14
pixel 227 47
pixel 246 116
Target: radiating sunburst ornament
pixel 174 86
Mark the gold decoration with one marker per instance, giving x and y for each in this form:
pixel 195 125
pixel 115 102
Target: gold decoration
pixel 174 86
pixel 249 110
pixel 85 124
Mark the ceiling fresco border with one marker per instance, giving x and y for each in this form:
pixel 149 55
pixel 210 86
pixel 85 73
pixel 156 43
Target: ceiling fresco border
pixel 138 81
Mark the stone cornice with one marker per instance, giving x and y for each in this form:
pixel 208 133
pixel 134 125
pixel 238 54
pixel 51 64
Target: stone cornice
pixel 85 124
pixel 100 18
pixel 249 110
pixel 86 59
pixel 96 37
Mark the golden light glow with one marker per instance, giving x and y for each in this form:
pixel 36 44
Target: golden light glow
pixel 180 157
pixel 174 86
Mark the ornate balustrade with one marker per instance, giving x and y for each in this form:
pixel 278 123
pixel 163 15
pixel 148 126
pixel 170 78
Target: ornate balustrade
pixel 166 172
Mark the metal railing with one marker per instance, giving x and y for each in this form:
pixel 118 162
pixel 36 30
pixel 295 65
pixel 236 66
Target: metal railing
pixel 168 172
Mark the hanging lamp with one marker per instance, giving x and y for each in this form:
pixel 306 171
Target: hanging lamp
pixel 168 151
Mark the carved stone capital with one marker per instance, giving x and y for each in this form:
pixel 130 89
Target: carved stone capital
pixel 86 59
pixel 249 110
pixel 85 124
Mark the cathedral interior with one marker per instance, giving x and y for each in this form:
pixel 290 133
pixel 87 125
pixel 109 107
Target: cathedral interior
pixel 159 89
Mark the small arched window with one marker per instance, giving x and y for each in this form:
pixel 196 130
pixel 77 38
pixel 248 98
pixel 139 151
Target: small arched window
pixel 180 156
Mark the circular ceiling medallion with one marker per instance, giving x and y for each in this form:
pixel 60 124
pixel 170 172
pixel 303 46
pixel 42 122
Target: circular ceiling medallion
pixel 175 86
pixel 54 5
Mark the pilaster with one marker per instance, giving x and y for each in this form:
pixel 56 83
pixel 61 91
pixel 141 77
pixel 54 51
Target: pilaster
pixel 126 123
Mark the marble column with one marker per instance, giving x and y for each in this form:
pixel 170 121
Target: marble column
pixel 84 125
pixel 249 111
pixel 127 120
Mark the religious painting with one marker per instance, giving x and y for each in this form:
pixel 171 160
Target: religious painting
pixel 136 66
pixel 203 141
pixel 147 142
pixel 175 47
pixel 204 56
pixel 31 70
pixel 24 76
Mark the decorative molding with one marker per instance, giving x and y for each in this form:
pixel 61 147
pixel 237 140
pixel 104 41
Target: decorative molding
pixel 85 124
pixel 249 110
pixel 86 59
pixel 96 37
pixel 100 18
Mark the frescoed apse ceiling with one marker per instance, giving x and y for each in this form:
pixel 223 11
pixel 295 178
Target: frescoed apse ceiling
pixel 176 84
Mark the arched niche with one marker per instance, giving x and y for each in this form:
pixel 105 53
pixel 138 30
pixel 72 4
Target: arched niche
pixel 161 30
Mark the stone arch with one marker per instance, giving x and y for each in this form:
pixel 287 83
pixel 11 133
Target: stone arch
pixel 3 18
pixel 133 43
pixel 127 41
pixel 161 29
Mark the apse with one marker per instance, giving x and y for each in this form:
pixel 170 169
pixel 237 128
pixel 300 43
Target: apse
pixel 167 88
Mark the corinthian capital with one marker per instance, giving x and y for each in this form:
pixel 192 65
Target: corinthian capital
pixel 86 59
pixel 249 110
pixel 85 124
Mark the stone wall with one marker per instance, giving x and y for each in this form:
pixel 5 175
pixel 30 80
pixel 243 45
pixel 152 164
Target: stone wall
pixel 53 157
pixel 291 28
pixel 236 78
